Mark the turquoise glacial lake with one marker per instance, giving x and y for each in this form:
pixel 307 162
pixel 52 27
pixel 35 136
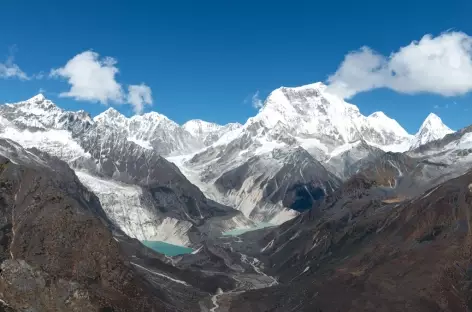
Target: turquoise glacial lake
pixel 166 248
pixel 237 232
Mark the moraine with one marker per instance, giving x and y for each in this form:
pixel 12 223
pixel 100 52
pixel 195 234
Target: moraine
pixel 240 231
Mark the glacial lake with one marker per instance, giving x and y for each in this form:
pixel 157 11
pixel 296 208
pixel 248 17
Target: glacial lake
pixel 167 249
pixel 237 232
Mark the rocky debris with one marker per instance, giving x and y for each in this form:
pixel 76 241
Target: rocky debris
pixel 29 288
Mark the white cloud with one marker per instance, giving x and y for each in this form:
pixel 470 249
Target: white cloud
pixel 11 70
pixel 256 101
pixel 39 75
pixel 138 96
pixel 91 78
pixel 440 65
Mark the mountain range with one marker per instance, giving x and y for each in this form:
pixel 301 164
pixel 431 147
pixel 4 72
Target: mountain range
pixel 142 192
pixel 333 134
pixel 349 198
pixel 301 127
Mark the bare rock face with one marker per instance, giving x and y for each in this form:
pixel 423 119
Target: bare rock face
pixel 267 186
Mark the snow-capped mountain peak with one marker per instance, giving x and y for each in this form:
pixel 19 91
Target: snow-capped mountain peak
pixel 377 115
pixel 321 122
pixel 300 106
pixel 432 129
pixel 433 121
pixel 39 112
pixel 37 98
pixel 380 120
pixel 152 116
pixel 111 117
pixel 198 126
pixel 38 105
pixel 151 131
pixel 312 86
pixel 110 112
pixel 208 132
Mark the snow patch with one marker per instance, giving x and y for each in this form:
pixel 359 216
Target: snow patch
pixel 58 143
pixel 142 143
pixel 268 246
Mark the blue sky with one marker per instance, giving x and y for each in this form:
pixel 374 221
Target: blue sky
pixel 205 59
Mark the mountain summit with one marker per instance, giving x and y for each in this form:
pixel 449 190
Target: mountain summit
pixel 208 132
pixel 432 129
pixel 37 98
pixel 321 121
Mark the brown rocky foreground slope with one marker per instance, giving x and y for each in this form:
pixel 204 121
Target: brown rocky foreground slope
pixel 59 252
pixel 365 254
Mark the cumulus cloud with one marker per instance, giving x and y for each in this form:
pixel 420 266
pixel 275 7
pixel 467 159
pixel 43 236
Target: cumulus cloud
pixel 91 78
pixel 9 69
pixel 440 65
pixel 139 96
pixel 256 101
